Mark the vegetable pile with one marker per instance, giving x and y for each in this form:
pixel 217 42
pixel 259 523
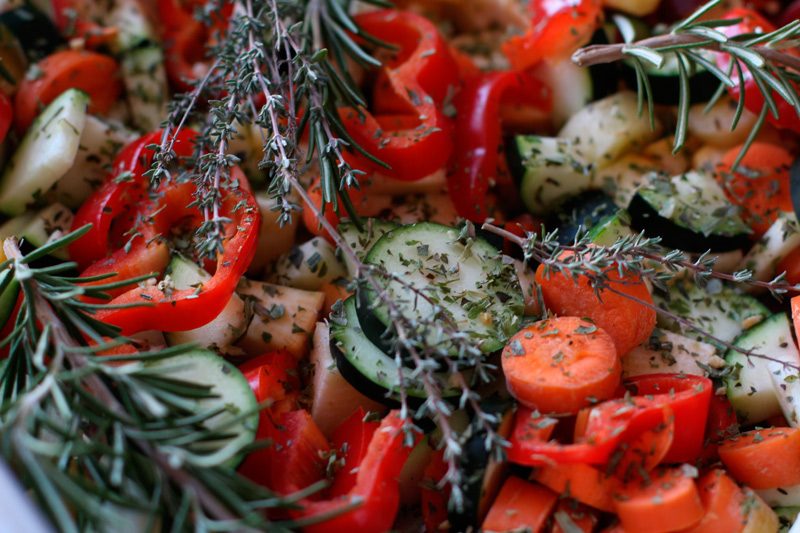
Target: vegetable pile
pixel 324 265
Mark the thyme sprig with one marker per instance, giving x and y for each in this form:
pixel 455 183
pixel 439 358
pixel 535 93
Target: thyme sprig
pixel 759 56
pixel 96 438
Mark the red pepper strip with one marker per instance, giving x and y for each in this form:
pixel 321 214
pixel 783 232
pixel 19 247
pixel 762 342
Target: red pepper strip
pixel 122 192
pixel 557 29
pixel 376 493
pixel 433 500
pixel 478 135
pixel 185 40
pixel 274 378
pixel 689 398
pixel 181 310
pixel 351 441
pixel 418 142
pixel 609 424
pixel 6 116
pixel 753 22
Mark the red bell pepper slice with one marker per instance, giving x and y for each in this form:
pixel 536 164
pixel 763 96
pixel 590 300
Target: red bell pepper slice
pixel 186 39
pixel 124 190
pixel 376 494
pixel 6 116
pixel 433 500
pixel 608 424
pixel 478 135
pixel 274 379
pixel 180 310
pixel 689 398
pixel 351 441
pixel 409 131
pixel 557 28
pixel 753 22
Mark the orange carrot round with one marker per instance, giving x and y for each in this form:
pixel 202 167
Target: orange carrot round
pixel 724 504
pixel 668 501
pixel 93 73
pixel 582 482
pixel 764 458
pixel 561 365
pixel 520 505
pixel 629 322
pixel 761 187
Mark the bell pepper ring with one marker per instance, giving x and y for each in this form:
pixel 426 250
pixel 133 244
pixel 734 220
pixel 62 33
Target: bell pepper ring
pixel 412 137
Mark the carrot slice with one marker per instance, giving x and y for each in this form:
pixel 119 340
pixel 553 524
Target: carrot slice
pixel 582 482
pixel 95 74
pixel 521 505
pixel 723 502
pixel 669 501
pixel 571 517
pixel 761 187
pixel 561 365
pixel 629 322
pixel 764 458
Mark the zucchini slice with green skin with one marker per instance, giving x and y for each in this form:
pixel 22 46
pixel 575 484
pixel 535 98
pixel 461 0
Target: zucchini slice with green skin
pixel 757 388
pixel 146 89
pixel 581 213
pixel 689 212
pixel 45 154
pixel 229 393
pixel 466 278
pixel 366 367
pixel 717 309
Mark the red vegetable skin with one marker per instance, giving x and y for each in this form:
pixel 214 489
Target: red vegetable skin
pixel 414 138
pixel 478 135
pixel 182 310
pixel 557 29
pixel 93 73
pixel 753 22
pixel 376 486
pixel 351 441
pixel 520 505
pixel 434 499
pixel 275 380
pixel 689 398
pixel 71 20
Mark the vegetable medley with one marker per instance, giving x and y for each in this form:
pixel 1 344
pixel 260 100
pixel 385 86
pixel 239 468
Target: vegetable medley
pixel 487 265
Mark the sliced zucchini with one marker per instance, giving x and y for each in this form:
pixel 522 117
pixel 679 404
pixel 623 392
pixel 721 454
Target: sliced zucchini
pixel 100 141
pixel 282 318
pixel 611 228
pixel 229 392
pixel 308 266
pixel 779 240
pixel 580 213
pixel 671 353
pixel 781 496
pixel 624 177
pixel 717 309
pixel 371 371
pixel 274 238
pixel 334 399
pixel 750 385
pixel 549 170
pixel 464 276
pixel 146 89
pixel 572 88
pixel 51 223
pixel 219 334
pixel 46 153
pixel 362 240
pixel 608 128
pixel 689 212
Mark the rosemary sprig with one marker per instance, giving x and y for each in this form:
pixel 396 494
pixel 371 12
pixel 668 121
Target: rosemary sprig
pixel 95 438
pixel 773 70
